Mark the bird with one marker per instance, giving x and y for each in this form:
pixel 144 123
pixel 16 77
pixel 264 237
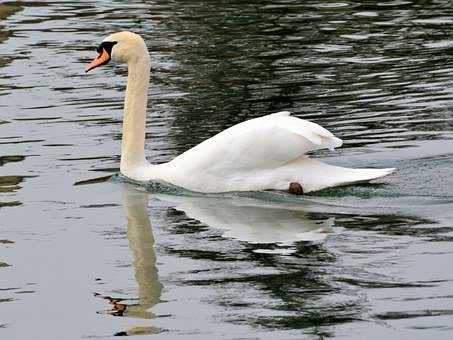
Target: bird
pixel 264 153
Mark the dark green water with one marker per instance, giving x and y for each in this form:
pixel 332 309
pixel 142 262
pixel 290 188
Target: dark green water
pixel 106 258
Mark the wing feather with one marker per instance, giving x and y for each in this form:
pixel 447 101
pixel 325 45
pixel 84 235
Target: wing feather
pixel 262 143
pixel 316 134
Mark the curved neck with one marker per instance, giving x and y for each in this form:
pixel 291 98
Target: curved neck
pixel 134 121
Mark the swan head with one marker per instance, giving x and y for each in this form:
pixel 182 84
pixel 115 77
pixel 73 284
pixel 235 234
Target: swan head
pixel 124 47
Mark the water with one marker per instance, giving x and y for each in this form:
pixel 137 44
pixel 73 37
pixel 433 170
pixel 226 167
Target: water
pixel 106 258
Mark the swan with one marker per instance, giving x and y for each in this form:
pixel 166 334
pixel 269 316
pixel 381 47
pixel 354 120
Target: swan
pixel 265 153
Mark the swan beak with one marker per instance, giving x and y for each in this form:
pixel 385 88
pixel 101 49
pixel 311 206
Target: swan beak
pixel 102 59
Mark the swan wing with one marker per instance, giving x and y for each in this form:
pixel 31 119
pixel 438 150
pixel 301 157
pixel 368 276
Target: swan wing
pixel 263 143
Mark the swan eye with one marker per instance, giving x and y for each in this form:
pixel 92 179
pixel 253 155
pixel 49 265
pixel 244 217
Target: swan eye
pixel 107 46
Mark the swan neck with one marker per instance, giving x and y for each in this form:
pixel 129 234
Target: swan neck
pixel 134 121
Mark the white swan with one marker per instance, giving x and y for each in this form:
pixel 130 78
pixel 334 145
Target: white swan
pixel 258 154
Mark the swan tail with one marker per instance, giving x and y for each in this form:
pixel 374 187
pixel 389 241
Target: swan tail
pixel 315 175
pixel 349 175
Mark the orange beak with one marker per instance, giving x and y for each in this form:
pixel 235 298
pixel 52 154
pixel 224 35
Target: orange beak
pixel 102 59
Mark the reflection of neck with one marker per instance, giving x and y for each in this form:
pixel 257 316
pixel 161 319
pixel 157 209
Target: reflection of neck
pixel 134 121
pixel 141 242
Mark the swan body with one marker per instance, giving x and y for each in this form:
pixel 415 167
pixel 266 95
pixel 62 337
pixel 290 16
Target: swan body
pixel 258 154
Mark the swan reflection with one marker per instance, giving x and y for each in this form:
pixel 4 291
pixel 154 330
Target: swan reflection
pixel 141 242
pixel 251 220
pixel 245 219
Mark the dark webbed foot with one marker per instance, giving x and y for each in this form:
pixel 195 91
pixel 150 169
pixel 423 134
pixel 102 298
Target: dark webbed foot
pixel 295 188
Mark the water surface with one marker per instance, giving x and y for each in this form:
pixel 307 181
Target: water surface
pixel 106 258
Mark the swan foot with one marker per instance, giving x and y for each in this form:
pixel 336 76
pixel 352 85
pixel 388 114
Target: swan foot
pixel 295 188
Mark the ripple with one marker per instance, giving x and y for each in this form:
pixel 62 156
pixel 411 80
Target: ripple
pixel 258 264
pixel 414 314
